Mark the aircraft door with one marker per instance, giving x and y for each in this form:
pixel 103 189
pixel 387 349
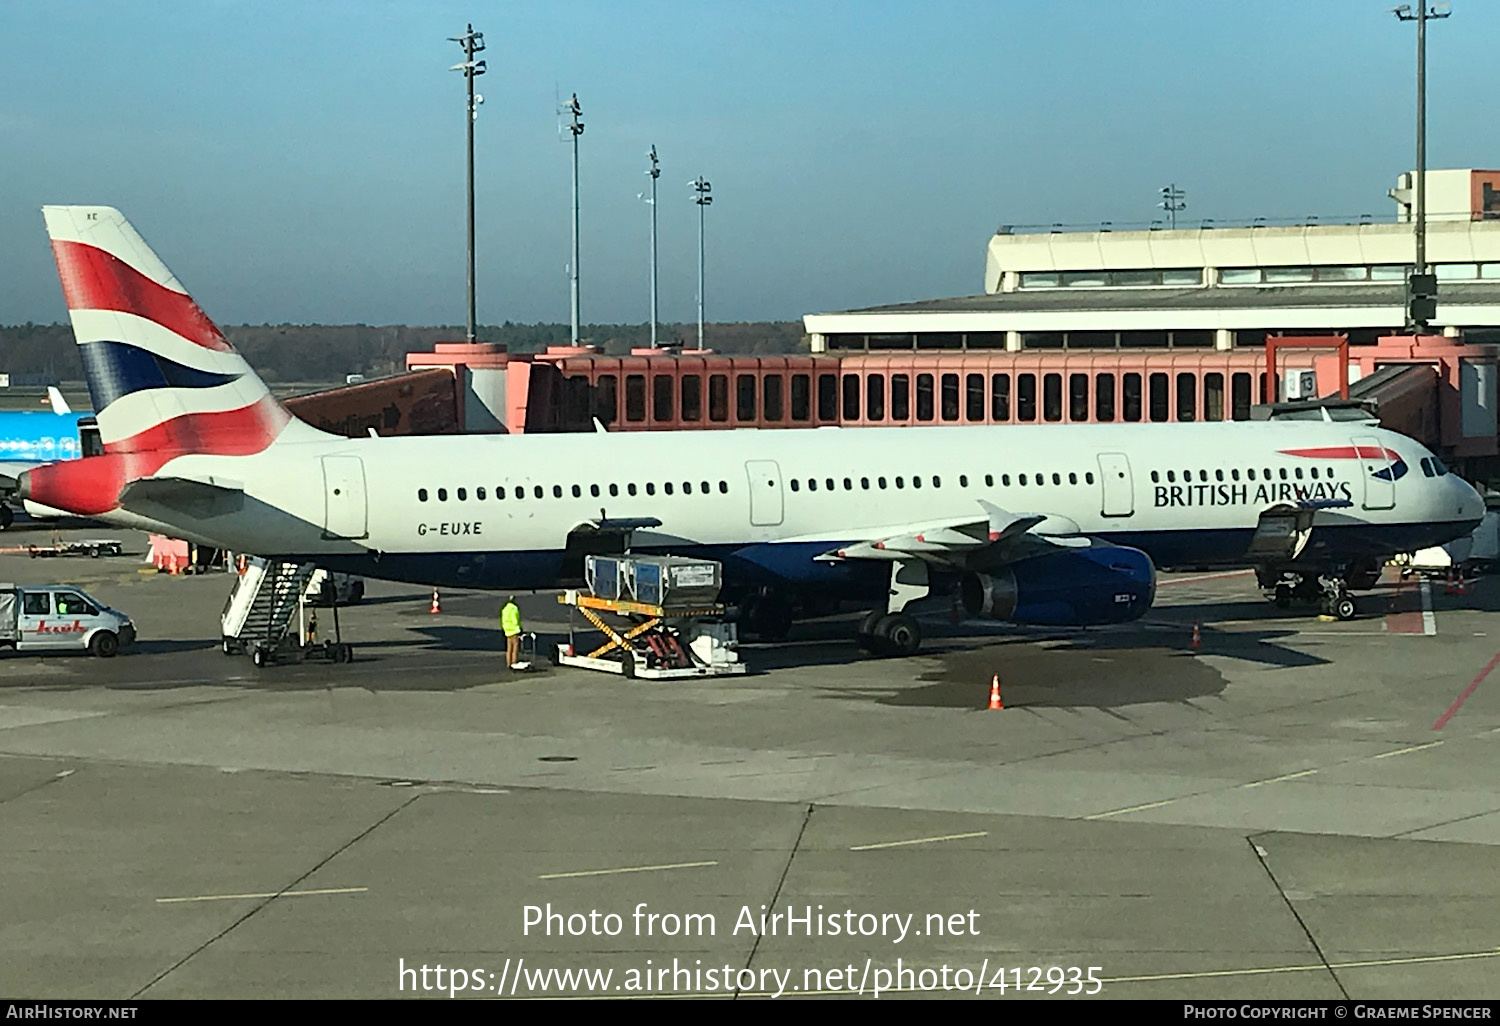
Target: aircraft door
pixel 1118 489
pixel 765 492
pixel 1378 465
pixel 344 512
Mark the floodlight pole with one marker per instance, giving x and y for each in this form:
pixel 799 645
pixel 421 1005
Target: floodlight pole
pixel 1421 15
pixel 472 42
pixel 703 198
pixel 1173 199
pixel 576 127
pixel 655 173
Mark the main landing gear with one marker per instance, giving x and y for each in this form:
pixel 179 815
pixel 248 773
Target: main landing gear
pixel 892 631
pixel 889 634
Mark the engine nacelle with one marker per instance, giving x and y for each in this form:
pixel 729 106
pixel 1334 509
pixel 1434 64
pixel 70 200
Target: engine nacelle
pixel 1067 588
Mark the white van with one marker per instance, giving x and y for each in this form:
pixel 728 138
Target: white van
pixel 57 617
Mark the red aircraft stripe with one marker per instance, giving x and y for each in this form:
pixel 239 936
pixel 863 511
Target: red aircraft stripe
pixel 95 280
pixel 92 485
pixel 240 432
pixel 1339 452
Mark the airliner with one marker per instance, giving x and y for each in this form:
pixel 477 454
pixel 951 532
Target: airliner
pixel 1053 525
pixel 32 437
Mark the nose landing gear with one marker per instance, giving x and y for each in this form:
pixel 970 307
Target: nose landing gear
pixel 1330 591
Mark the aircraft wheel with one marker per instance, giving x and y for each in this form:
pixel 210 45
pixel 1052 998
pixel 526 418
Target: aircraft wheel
pixel 1343 607
pixel 865 636
pixel 6 517
pixel 899 634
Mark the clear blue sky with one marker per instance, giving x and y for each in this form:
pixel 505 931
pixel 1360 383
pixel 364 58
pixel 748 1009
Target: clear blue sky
pixel 303 162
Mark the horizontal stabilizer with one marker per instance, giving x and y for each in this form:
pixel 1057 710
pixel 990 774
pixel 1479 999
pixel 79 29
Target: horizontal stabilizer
pixel 167 498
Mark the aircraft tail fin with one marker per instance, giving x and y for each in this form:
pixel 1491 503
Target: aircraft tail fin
pixel 163 379
pixel 57 402
pixel 161 374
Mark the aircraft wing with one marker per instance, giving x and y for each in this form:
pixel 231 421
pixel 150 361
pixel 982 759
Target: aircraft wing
pixel 161 497
pixel 993 537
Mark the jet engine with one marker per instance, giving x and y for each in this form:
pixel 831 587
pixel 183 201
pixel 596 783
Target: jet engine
pixel 1066 588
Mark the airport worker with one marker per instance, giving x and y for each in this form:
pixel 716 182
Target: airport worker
pixel 510 623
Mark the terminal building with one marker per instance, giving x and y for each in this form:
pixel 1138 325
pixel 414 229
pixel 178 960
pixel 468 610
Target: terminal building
pixel 1194 324
pixel 1207 287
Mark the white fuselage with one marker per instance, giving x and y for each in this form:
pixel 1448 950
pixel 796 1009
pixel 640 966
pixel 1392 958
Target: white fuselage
pixel 1187 494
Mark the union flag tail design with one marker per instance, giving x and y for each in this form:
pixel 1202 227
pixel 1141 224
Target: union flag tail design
pixel 164 381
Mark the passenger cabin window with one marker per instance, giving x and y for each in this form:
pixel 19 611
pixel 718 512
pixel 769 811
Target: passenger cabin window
pixel 421 494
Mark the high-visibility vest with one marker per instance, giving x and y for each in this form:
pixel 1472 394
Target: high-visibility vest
pixel 510 619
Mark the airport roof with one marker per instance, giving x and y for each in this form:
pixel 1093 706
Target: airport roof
pixel 1256 297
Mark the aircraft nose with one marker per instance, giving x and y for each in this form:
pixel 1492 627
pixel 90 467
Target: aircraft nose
pixel 1470 502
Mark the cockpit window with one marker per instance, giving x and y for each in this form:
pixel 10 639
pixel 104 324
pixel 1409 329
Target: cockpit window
pixel 1427 470
pixel 1438 466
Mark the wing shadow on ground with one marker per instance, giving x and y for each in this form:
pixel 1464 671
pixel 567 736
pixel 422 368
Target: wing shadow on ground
pixel 1100 669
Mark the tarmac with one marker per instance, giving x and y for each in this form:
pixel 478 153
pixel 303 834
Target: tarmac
pixel 1295 809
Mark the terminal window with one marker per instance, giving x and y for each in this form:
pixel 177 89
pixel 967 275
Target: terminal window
pixel 1026 397
pixel 771 405
pixel 801 397
pixel 924 397
pixel 900 397
pixel 1000 398
pixel 875 397
pixel 692 397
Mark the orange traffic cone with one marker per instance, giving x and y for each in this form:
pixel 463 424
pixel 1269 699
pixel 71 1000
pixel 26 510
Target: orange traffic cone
pixel 995 702
pixel 437 607
pixel 172 564
pixel 1197 636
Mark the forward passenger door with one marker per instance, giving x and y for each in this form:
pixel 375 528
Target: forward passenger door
pixel 765 492
pixel 1118 489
